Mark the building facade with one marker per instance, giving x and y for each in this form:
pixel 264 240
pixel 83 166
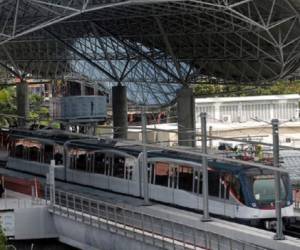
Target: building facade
pixel 244 109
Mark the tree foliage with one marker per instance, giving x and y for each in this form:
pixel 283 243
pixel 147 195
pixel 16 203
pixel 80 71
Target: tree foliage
pixel 3 240
pixel 7 106
pixel 39 113
pixel 279 88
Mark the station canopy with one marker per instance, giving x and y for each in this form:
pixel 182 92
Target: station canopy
pixel 154 47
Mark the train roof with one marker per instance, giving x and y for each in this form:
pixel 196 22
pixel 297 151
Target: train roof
pixel 94 143
pixel 57 136
pixel 290 160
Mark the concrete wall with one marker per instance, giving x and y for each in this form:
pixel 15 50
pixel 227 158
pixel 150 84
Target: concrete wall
pixel 34 223
pixel 84 236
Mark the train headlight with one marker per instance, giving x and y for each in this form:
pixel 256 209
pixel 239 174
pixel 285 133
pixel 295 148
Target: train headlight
pixel 253 204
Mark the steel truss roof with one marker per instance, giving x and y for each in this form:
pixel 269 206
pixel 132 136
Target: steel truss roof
pixel 153 46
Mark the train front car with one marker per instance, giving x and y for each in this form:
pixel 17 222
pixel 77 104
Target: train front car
pixel 259 198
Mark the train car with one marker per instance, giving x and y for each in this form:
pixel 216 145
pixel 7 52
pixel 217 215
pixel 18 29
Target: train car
pixel 236 191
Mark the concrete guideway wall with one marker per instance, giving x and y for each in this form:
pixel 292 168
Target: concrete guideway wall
pixel 162 228
pixel 100 225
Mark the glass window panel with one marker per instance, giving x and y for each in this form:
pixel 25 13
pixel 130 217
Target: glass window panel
pixel 33 154
pixel 81 162
pixel 19 151
pixel 119 167
pixel 185 181
pixel 99 163
pixel 161 174
pixel 213 182
pixel 48 153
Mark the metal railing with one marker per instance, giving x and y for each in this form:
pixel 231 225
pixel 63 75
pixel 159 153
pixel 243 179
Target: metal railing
pixel 20 202
pixel 128 222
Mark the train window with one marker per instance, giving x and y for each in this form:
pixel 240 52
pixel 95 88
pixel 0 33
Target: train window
pixel 198 182
pixel 58 157
pixel 19 151
pixel 151 173
pixel 11 148
pixel 90 163
pixel 225 185
pixel 33 153
pixel 109 165
pixel 129 166
pixel 213 182
pixel 48 153
pixel 129 170
pixel 99 163
pixel 236 188
pixel 119 167
pixel 161 174
pixel 233 186
pixel 4 140
pixel 173 176
pixel 222 185
pixel 81 162
pixel 185 181
pixel 72 161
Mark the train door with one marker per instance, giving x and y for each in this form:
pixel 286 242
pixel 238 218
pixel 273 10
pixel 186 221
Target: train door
pixel 173 180
pixel 197 188
pixel 98 176
pixel 160 187
pixel 183 191
pixel 90 166
pixel 118 180
pixel 131 176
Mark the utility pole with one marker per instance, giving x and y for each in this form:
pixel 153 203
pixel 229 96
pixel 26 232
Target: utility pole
pixel 145 162
pixel 52 182
pixel 22 93
pixel 205 217
pixel 210 138
pixel 279 234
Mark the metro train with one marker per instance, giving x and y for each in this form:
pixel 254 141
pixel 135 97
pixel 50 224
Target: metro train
pixel 243 193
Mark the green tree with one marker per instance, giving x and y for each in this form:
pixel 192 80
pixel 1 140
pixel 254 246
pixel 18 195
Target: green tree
pixel 3 240
pixel 39 113
pixel 7 106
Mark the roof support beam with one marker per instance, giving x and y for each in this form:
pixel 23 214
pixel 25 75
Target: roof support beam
pixel 82 56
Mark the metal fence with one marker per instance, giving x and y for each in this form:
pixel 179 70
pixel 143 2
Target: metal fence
pixel 128 222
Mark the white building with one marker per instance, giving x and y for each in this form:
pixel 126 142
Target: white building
pixel 244 109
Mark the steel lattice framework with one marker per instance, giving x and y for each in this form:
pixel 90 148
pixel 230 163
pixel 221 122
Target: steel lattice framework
pixel 153 46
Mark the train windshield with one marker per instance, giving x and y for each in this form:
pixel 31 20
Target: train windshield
pixel 264 189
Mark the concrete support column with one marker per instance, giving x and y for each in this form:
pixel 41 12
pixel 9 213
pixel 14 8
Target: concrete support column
pixel 22 103
pixel 186 117
pixel 119 109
